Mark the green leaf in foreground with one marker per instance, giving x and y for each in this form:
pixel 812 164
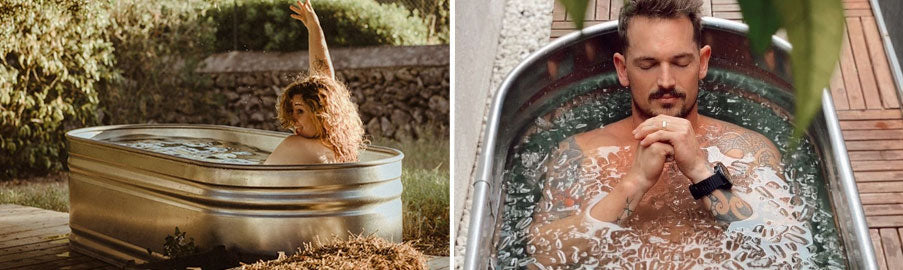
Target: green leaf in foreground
pixel 815 28
pixel 577 10
pixel 760 16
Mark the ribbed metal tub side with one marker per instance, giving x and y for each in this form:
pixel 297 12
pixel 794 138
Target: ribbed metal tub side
pixel 529 87
pixel 124 201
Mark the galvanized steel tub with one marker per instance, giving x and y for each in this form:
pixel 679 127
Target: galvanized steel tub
pixel 124 201
pixel 529 90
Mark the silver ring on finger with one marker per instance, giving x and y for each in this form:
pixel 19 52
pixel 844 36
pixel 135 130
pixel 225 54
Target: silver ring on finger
pixel 664 124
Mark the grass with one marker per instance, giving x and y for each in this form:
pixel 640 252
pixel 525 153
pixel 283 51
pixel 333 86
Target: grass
pixel 48 192
pixel 425 177
pixel 425 199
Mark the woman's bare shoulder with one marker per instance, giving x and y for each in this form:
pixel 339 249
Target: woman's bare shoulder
pixel 299 150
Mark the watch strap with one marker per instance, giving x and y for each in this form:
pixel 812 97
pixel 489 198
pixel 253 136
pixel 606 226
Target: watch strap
pixel 709 185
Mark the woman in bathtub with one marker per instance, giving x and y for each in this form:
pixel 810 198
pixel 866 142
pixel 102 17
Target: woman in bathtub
pixel 318 109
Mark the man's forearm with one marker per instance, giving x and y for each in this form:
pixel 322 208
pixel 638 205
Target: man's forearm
pixel 726 206
pixel 619 204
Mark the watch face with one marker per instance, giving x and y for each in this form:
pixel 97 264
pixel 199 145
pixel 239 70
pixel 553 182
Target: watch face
pixel 720 168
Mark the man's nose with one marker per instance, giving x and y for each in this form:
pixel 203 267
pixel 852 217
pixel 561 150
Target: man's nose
pixel 666 79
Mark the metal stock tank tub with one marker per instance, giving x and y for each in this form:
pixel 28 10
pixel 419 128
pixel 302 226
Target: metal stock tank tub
pixel 570 86
pixel 125 200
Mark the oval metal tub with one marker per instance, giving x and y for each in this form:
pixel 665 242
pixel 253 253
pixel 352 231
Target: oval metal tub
pixel 124 201
pixel 540 83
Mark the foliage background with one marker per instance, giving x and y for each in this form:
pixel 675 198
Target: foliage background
pixel 66 64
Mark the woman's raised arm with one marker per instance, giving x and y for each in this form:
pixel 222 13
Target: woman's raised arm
pixel 320 63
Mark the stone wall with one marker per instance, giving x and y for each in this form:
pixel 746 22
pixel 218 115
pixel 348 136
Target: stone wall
pixel 401 92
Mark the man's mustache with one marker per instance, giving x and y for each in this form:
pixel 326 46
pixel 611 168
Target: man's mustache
pixel 658 93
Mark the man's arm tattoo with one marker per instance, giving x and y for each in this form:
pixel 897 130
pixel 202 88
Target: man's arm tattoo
pixel 727 207
pixel 563 168
pixel 626 214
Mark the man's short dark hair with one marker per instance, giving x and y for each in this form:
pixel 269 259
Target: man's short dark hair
pixel 663 9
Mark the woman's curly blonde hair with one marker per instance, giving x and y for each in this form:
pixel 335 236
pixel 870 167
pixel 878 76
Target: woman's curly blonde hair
pixel 339 124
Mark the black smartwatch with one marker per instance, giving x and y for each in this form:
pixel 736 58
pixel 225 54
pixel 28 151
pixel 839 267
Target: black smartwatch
pixel 720 180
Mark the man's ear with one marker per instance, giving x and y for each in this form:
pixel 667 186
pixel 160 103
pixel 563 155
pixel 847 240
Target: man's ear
pixel 704 54
pixel 621 66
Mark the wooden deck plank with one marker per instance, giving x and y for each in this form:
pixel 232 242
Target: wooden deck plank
pixel 881 198
pixel 885 176
pixel 12 213
pixel 35 255
pixel 707 8
pixel 39 241
pixel 26 218
pixel 602 12
pixel 838 92
pixel 869 115
pixel 878 57
pixel 890 241
pixel 590 10
pixel 876 155
pixel 615 10
pixel 880 165
pixel 883 209
pixel 874 145
pixel 726 7
pixel 878 187
pixel 884 221
pixel 72 261
pixel 558 11
pixel 714 2
pixel 858 13
pixel 730 15
pixel 856 5
pixel 875 134
pixel 879 249
pixel 863 64
pixel 9 224
pixel 10 241
pixel 871 124
pixel 850 75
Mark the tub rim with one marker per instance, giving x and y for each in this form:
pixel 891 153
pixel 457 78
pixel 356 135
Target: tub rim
pixel 482 185
pixel 78 135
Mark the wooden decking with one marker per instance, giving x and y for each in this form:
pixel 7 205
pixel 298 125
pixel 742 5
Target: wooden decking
pixel 867 104
pixel 32 238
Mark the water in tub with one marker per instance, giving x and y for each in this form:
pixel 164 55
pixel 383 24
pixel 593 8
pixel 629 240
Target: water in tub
pixel 792 227
pixel 201 149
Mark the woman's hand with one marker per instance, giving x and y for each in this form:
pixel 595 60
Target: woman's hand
pixel 305 13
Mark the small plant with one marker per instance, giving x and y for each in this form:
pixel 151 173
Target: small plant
pixel 179 245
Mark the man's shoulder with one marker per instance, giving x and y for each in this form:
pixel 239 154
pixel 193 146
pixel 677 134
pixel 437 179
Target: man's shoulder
pixel 734 134
pixel 605 136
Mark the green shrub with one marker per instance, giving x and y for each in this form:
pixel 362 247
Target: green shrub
pixel 434 12
pixel 158 46
pixel 266 25
pixel 53 54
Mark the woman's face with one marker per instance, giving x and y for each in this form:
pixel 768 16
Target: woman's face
pixel 303 118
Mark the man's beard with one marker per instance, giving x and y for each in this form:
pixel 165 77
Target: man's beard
pixel 682 112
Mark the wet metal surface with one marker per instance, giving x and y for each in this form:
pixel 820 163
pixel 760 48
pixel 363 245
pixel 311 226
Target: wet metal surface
pixel 124 201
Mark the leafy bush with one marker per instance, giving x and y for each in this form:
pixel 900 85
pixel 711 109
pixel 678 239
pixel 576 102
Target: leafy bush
pixel 66 64
pixel 53 54
pixel 434 12
pixel 266 25
pixel 158 45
